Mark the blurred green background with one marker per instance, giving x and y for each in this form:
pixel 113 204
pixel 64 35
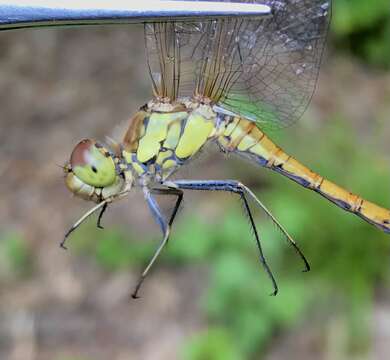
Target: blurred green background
pixel 207 298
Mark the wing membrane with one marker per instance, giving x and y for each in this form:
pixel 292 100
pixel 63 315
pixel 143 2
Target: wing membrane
pixel 162 42
pixel 265 69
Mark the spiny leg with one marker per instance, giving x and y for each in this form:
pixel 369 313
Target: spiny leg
pixel 234 185
pixel 165 228
pixel 230 187
pixel 238 188
pixel 98 224
pixel 290 240
pixel 262 258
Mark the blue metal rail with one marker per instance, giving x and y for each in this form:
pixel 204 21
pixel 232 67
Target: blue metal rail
pixel 16 14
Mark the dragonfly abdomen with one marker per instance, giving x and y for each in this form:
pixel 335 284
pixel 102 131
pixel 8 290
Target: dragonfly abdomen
pixel 241 136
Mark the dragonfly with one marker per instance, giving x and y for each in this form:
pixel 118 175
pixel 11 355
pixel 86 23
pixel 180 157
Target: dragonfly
pixel 225 81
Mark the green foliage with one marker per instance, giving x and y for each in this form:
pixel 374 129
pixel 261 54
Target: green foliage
pixel 213 344
pixel 112 249
pixel 355 15
pixel 238 298
pixel 15 257
pixel 363 27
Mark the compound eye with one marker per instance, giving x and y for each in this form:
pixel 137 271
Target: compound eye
pixel 92 165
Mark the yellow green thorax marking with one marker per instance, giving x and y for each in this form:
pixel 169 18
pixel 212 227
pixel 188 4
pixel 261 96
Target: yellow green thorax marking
pixel 163 155
pixel 156 131
pixel 173 135
pixel 136 166
pixel 159 140
pixel 196 132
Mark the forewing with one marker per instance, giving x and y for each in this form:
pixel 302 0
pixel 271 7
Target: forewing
pixel 170 50
pixel 194 58
pixel 264 69
pixel 163 56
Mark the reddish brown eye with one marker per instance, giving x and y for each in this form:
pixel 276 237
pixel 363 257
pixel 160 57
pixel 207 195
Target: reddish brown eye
pixel 79 155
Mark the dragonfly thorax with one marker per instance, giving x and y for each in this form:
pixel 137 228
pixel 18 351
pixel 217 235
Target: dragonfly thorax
pixel 162 137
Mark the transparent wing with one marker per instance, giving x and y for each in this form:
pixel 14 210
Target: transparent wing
pixel 194 58
pixel 163 54
pixel 282 60
pixel 264 69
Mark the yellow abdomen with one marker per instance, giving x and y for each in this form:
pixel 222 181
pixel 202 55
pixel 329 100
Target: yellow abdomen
pixel 244 138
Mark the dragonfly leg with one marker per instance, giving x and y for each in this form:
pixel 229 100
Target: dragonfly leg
pixel 165 227
pixel 102 205
pixel 171 191
pixel 240 189
pixel 236 186
pixel 99 220
pixel 81 220
pixel 288 237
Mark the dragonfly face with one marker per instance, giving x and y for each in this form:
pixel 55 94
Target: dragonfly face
pixel 91 172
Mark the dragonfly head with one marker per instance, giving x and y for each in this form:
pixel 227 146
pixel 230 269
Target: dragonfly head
pixel 91 172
